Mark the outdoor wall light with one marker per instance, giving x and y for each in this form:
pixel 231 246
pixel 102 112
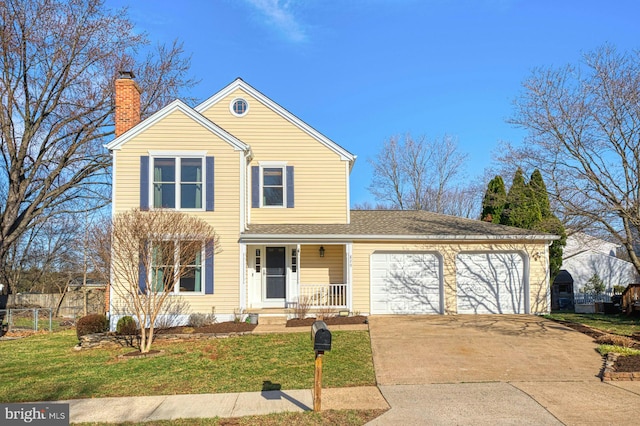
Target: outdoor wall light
pixel 321 251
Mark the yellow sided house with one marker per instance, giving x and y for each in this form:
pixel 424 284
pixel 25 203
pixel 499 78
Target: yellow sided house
pixel 277 193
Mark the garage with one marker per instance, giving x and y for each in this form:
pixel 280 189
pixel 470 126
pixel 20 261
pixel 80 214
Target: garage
pixel 490 283
pixel 406 283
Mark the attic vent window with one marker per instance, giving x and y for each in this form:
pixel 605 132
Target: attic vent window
pixel 239 107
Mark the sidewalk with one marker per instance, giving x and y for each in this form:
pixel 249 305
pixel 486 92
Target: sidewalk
pixel 169 407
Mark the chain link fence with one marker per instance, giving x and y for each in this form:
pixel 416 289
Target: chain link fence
pixel 26 319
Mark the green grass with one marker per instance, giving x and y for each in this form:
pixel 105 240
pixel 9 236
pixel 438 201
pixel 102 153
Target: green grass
pixel 605 349
pixel 615 324
pixel 309 418
pixel 46 367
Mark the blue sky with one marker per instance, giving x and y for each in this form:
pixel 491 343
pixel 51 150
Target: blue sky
pixel 361 71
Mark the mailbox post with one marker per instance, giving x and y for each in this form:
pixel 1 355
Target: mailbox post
pixel 321 338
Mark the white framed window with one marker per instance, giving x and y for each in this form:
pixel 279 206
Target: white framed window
pixel 166 264
pixel 177 182
pixel 273 186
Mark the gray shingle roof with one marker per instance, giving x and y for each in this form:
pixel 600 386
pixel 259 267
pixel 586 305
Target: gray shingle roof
pixel 397 223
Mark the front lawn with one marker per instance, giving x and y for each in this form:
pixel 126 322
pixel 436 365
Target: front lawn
pixel 616 324
pixel 46 367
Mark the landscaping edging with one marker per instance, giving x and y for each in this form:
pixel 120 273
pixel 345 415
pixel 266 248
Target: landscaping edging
pixel 610 373
pixel 99 340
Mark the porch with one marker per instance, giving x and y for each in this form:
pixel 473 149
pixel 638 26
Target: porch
pixel 292 277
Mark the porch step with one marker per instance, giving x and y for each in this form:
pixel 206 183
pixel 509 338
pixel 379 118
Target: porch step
pixel 272 320
pixel 271 316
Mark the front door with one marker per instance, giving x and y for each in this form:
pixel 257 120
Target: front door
pixel 276 282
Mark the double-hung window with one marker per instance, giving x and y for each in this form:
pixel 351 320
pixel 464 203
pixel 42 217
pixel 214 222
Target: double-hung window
pixel 178 182
pixel 272 185
pixel 170 267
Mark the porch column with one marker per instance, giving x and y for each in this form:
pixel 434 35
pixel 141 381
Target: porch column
pixel 348 274
pixel 243 276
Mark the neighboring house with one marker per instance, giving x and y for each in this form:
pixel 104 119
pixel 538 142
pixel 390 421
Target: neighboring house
pixel 585 255
pixel 277 192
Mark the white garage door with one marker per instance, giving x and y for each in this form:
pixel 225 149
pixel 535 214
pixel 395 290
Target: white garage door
pixel 490 283
pixel 405 283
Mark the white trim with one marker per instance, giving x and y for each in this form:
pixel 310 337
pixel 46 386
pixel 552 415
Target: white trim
pixel 233 101
pixel 243 276
pixel 113 186
pixel 311 238
pixel 347 172
pixel 177 105
pixel 240 84
pixel 177 153
pixel 348 263
pixel 243 192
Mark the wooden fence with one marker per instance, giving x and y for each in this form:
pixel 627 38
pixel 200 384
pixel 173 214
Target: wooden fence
pixel 72 305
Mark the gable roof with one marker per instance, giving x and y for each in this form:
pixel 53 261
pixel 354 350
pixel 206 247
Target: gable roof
pixel 177 105
pixel 238 83
pixel 394 225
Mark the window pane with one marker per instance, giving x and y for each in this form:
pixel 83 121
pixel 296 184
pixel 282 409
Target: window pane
pixel 164 195
pixel 191 196
pixel 186 258
pixel 161 278
pixel 190 281
pixel 272 177
pixel 191 170
pixel 272 196
pixel 164 170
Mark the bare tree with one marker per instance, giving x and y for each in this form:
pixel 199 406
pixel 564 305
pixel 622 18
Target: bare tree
pixel 584 136
pixel 421 174
pixel 58 63
pixel 152 251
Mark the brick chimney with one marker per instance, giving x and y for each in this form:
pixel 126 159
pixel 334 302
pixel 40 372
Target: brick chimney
pixel 127 102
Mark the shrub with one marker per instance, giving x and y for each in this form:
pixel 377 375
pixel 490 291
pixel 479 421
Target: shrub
pixel 126 326
pixel 200 320
pixel 92 323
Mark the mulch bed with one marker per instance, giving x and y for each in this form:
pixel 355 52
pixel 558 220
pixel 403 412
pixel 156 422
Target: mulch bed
pixel 628 364
pixel 217 328
pixel 307 322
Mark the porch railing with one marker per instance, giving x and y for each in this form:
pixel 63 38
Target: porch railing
pixel 324 295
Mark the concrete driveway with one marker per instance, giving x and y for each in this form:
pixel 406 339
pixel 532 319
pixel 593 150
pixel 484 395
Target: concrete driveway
pixel 479 348
pixel 493 369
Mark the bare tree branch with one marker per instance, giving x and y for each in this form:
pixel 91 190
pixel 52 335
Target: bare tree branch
pixel 163 244
pixel 584 136
pixel 58 63
pixel 421 174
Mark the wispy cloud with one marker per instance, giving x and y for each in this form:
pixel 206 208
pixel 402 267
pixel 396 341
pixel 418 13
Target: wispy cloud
pixel 278 14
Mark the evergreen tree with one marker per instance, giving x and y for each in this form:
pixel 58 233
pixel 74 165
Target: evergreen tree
pixel 549 222
pixel 494 200
pixel 521 209
pixel 536 183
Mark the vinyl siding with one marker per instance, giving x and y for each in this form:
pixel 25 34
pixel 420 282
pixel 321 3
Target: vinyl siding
pixel 320 178
pixel 177 132
pixel 322 270
pixel 538 269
